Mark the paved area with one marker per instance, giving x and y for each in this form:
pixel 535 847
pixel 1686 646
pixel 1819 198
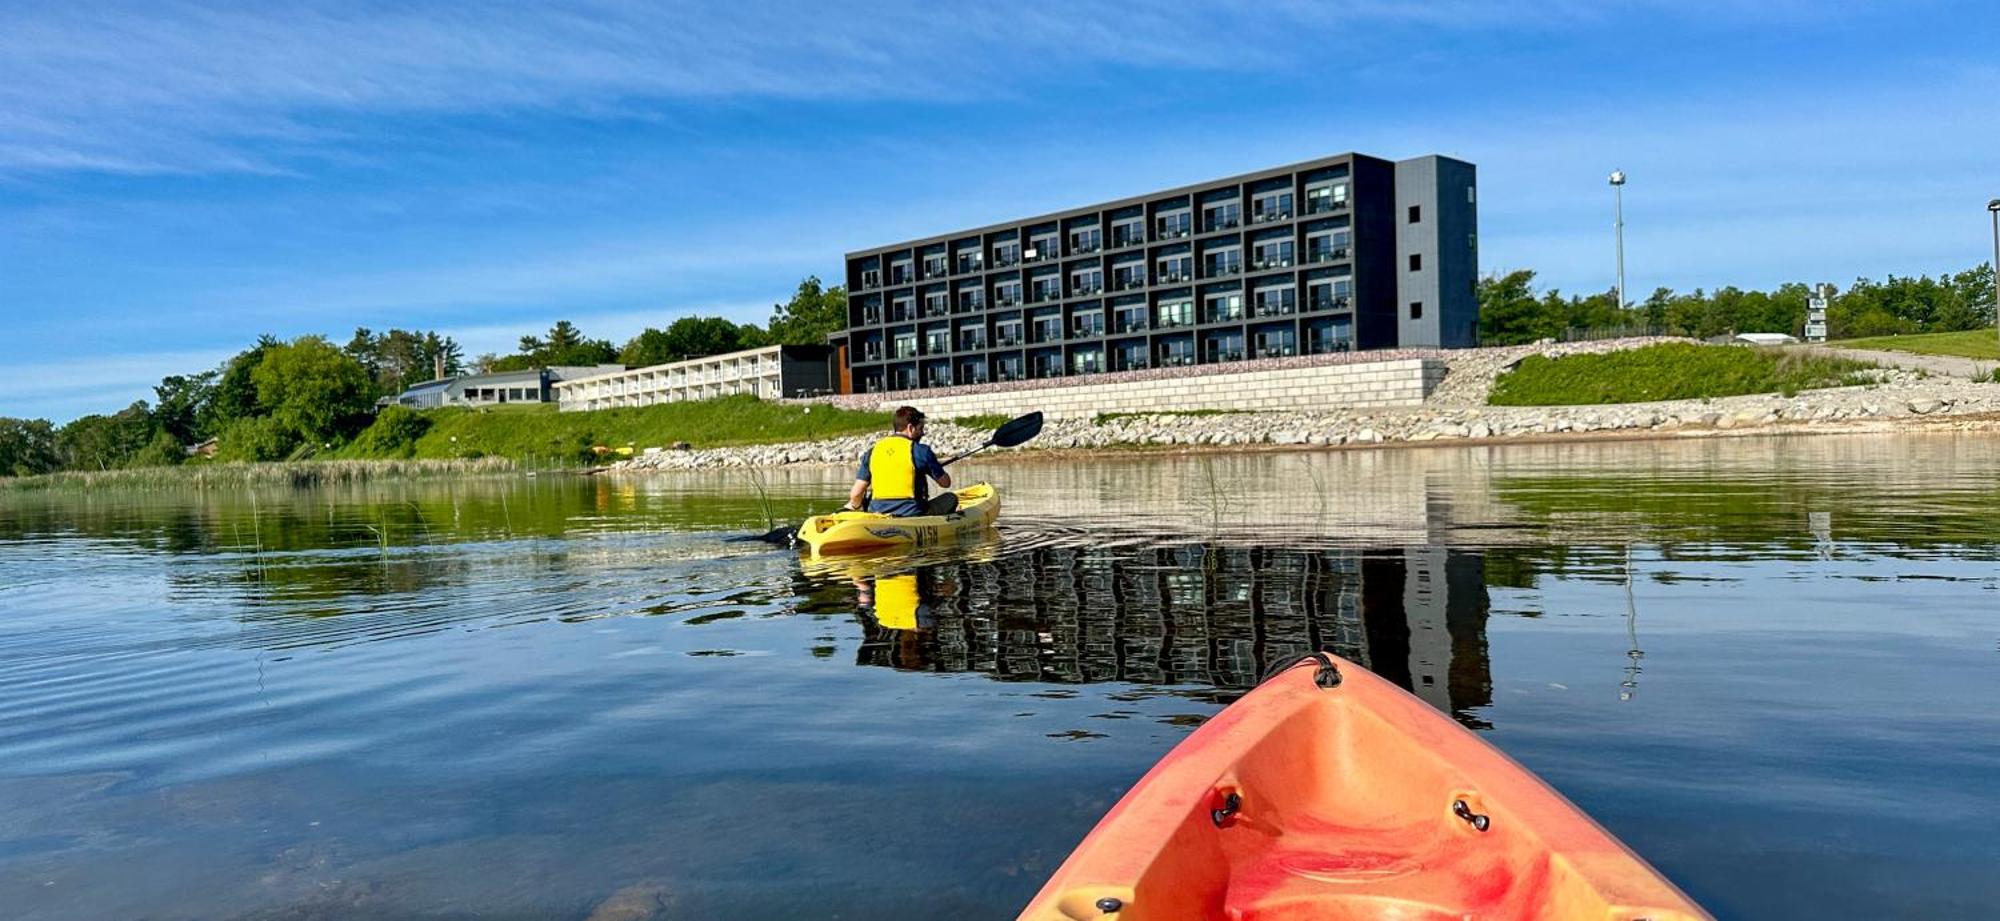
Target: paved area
pixel 1951 366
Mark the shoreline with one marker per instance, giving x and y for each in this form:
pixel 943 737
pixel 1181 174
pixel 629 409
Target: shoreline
pixel 1914 406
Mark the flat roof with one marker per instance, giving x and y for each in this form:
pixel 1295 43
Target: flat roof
pixel 1189 189
pixel 683 363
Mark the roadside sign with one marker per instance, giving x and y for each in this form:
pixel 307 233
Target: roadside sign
pixel 1816 314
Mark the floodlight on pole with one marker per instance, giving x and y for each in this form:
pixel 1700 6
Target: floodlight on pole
pixel 1993 208
pixel 1618 189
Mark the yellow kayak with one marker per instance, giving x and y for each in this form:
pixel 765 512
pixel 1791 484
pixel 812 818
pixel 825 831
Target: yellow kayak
pixel 861 532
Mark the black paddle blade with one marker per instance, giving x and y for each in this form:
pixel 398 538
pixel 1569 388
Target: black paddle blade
pixel 1017 430
pixel 779 536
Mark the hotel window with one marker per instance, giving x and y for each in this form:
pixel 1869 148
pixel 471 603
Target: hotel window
pixel 1044 247
pixel 1222 262
pixel 899 272
pixel 1128 275
pixel 1271 206
pixel 1006 254
pixel 1128 232
pixel 1331 295
pixel 1274 254
pixel 1220 308
pixel 971 299
pixel 1086 361
pixel 1088 324
pixel 1128 319
pixel 1086 240
pixel 1327 246
pixel 1008 332
pixel 1221 216
pixel 1170 314
pixel 1048 328
pixel 1007 293
pixel 1330 196
pixel 1223 346
pixel 1175 224
pixel 1176 268
pixel 933 265
pixel 1085 282
pixel 906 345
pixel 968 260
pixel 936 304
pixel 1271 302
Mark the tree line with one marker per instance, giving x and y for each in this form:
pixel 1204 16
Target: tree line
pixel 1512 311
pixel 278 400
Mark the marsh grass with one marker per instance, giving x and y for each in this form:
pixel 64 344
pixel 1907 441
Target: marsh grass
pixel 236 475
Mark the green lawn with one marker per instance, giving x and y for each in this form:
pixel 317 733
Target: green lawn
pixel 558 437
pixel 1670 371
pixel 1974 343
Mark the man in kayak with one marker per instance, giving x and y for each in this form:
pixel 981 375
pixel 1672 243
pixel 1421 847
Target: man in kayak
pixel 895 473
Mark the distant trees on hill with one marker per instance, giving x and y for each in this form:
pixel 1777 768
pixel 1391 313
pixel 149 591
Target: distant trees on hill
pixel 1512 311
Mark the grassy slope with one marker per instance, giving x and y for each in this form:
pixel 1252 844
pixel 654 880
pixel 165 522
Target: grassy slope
pixel 1975 343
pixel 1670 371
pixel 567 437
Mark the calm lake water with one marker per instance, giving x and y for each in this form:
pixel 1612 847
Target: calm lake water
pixel 1770 666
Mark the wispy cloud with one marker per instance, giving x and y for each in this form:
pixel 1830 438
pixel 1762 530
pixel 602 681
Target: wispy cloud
pixel 170 87
pixel 63 390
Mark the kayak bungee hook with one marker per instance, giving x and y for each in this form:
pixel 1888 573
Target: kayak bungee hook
pixel 1476 820
pixel 1230 807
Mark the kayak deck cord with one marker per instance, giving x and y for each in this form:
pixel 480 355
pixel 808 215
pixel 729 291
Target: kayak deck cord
pixel 1327 675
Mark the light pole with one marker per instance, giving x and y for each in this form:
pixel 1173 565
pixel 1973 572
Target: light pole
pixel 1618 189
pixel 1993 208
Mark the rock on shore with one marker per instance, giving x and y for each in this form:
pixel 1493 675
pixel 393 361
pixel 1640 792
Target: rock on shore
pixel 1455 413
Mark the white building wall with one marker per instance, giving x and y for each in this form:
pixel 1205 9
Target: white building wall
pixel 753 372
pixel 1403 382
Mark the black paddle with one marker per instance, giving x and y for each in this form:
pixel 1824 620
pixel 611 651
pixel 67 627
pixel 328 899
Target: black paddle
pixel 1015 432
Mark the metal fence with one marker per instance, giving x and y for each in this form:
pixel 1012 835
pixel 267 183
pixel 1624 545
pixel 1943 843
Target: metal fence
pixel 1592 334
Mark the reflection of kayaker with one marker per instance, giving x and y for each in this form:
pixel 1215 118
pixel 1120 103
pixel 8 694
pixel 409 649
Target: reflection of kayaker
pixel 904 602
pixel 905 609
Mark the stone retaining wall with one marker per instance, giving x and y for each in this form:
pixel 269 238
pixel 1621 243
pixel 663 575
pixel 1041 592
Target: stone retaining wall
pixel 1370 385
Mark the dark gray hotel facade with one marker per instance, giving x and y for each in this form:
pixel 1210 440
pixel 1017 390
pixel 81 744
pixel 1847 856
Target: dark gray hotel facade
pixel 1341 253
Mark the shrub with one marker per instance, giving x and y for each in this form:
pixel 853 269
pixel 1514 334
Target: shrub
pixel 393 434
pixel 163 451
pixel 257 438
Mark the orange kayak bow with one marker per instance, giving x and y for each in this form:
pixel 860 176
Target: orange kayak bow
pixel 1330 793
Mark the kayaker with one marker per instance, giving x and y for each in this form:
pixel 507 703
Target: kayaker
pixel 895 473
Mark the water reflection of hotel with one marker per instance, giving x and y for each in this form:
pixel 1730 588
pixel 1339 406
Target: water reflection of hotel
pixel 1199 614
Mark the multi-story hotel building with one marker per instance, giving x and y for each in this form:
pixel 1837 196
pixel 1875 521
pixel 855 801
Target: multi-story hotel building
pixel 1346 252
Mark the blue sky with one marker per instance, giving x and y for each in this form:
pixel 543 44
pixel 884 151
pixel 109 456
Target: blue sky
pixel 176 178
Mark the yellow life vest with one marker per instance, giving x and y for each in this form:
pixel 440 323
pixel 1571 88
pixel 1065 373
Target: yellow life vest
pixel 892 468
